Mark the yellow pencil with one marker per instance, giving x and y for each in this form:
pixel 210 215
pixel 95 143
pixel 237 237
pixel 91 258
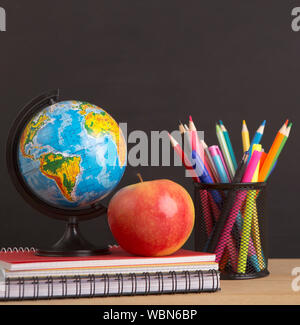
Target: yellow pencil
pixel 245 137
pixel 257 147
pixel 248 219
pixel 255 225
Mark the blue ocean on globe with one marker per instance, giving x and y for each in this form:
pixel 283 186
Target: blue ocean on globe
pixel 72 154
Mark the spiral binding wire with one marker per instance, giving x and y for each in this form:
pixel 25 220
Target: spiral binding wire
pixel 20 284
pixel 17 249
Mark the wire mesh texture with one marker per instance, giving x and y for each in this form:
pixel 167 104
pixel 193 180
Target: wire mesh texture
pixel 233 227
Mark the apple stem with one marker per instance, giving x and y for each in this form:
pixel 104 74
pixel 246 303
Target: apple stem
pixel 140 177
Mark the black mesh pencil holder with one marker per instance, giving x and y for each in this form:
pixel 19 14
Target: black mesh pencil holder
pixel 231 222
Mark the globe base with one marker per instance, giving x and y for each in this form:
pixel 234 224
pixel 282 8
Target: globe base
pixel 72 243
pixel 71 253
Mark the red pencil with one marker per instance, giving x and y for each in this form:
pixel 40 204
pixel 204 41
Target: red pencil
pixel 181 154
pixel 204 197
pixel 195 140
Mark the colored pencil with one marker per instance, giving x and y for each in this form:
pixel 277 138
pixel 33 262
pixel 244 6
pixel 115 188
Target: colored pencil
pixel 235 210
pixel 225 151
pixel 229 145
pixel 247 221
pixel 208 218
pixel 272 154
pixel 262 159
pixel 204 176
pixel 254 252
pixel 184 159
pixel 197 145
pixel 231 250
pixel 219 226
pixel 222 160
pixel 210 161
pixel 257 137
pixel 215 154
pixel 257 147
pixel 181 127
pixel 286 135
pixel 255 230
pixel 245 137
pixel 186 140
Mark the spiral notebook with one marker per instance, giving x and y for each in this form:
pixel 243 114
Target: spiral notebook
pixel 110 285
pixel 110 275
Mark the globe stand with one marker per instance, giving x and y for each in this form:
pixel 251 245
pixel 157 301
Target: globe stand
pixel 72 243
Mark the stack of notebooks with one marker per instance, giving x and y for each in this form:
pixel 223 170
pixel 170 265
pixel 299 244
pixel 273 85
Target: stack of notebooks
pixel 24 275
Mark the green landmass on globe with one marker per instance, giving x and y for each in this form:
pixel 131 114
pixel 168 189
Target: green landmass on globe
pixel 63 170
pixel 72 154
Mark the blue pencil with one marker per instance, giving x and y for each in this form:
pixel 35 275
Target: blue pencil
pixel 257 137
pixel 204 176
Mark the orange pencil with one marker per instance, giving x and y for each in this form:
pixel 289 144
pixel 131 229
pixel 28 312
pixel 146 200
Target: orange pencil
pixel 262 159
pixel 272 154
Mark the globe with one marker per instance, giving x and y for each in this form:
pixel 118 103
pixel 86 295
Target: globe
pixel 71 154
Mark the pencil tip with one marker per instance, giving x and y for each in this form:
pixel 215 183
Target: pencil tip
pixel 263 123
pixel 220 121
pixel 190 117
pixel 173 141
pixel 244 122
pixel 179 122
pixel 286 122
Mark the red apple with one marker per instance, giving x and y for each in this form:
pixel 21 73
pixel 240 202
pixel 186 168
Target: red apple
pixel 153 218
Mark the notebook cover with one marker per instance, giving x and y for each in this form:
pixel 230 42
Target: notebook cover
pixel 118 257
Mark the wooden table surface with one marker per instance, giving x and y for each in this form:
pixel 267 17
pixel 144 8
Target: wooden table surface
pixel 275 289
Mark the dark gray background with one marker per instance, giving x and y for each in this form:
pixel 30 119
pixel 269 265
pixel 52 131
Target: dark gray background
pixel 150 63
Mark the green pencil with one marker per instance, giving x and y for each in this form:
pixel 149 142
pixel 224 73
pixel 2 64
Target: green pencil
pixel 229 145
pixel 225 151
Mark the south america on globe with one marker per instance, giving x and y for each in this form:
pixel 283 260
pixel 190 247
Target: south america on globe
pixel 72 154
